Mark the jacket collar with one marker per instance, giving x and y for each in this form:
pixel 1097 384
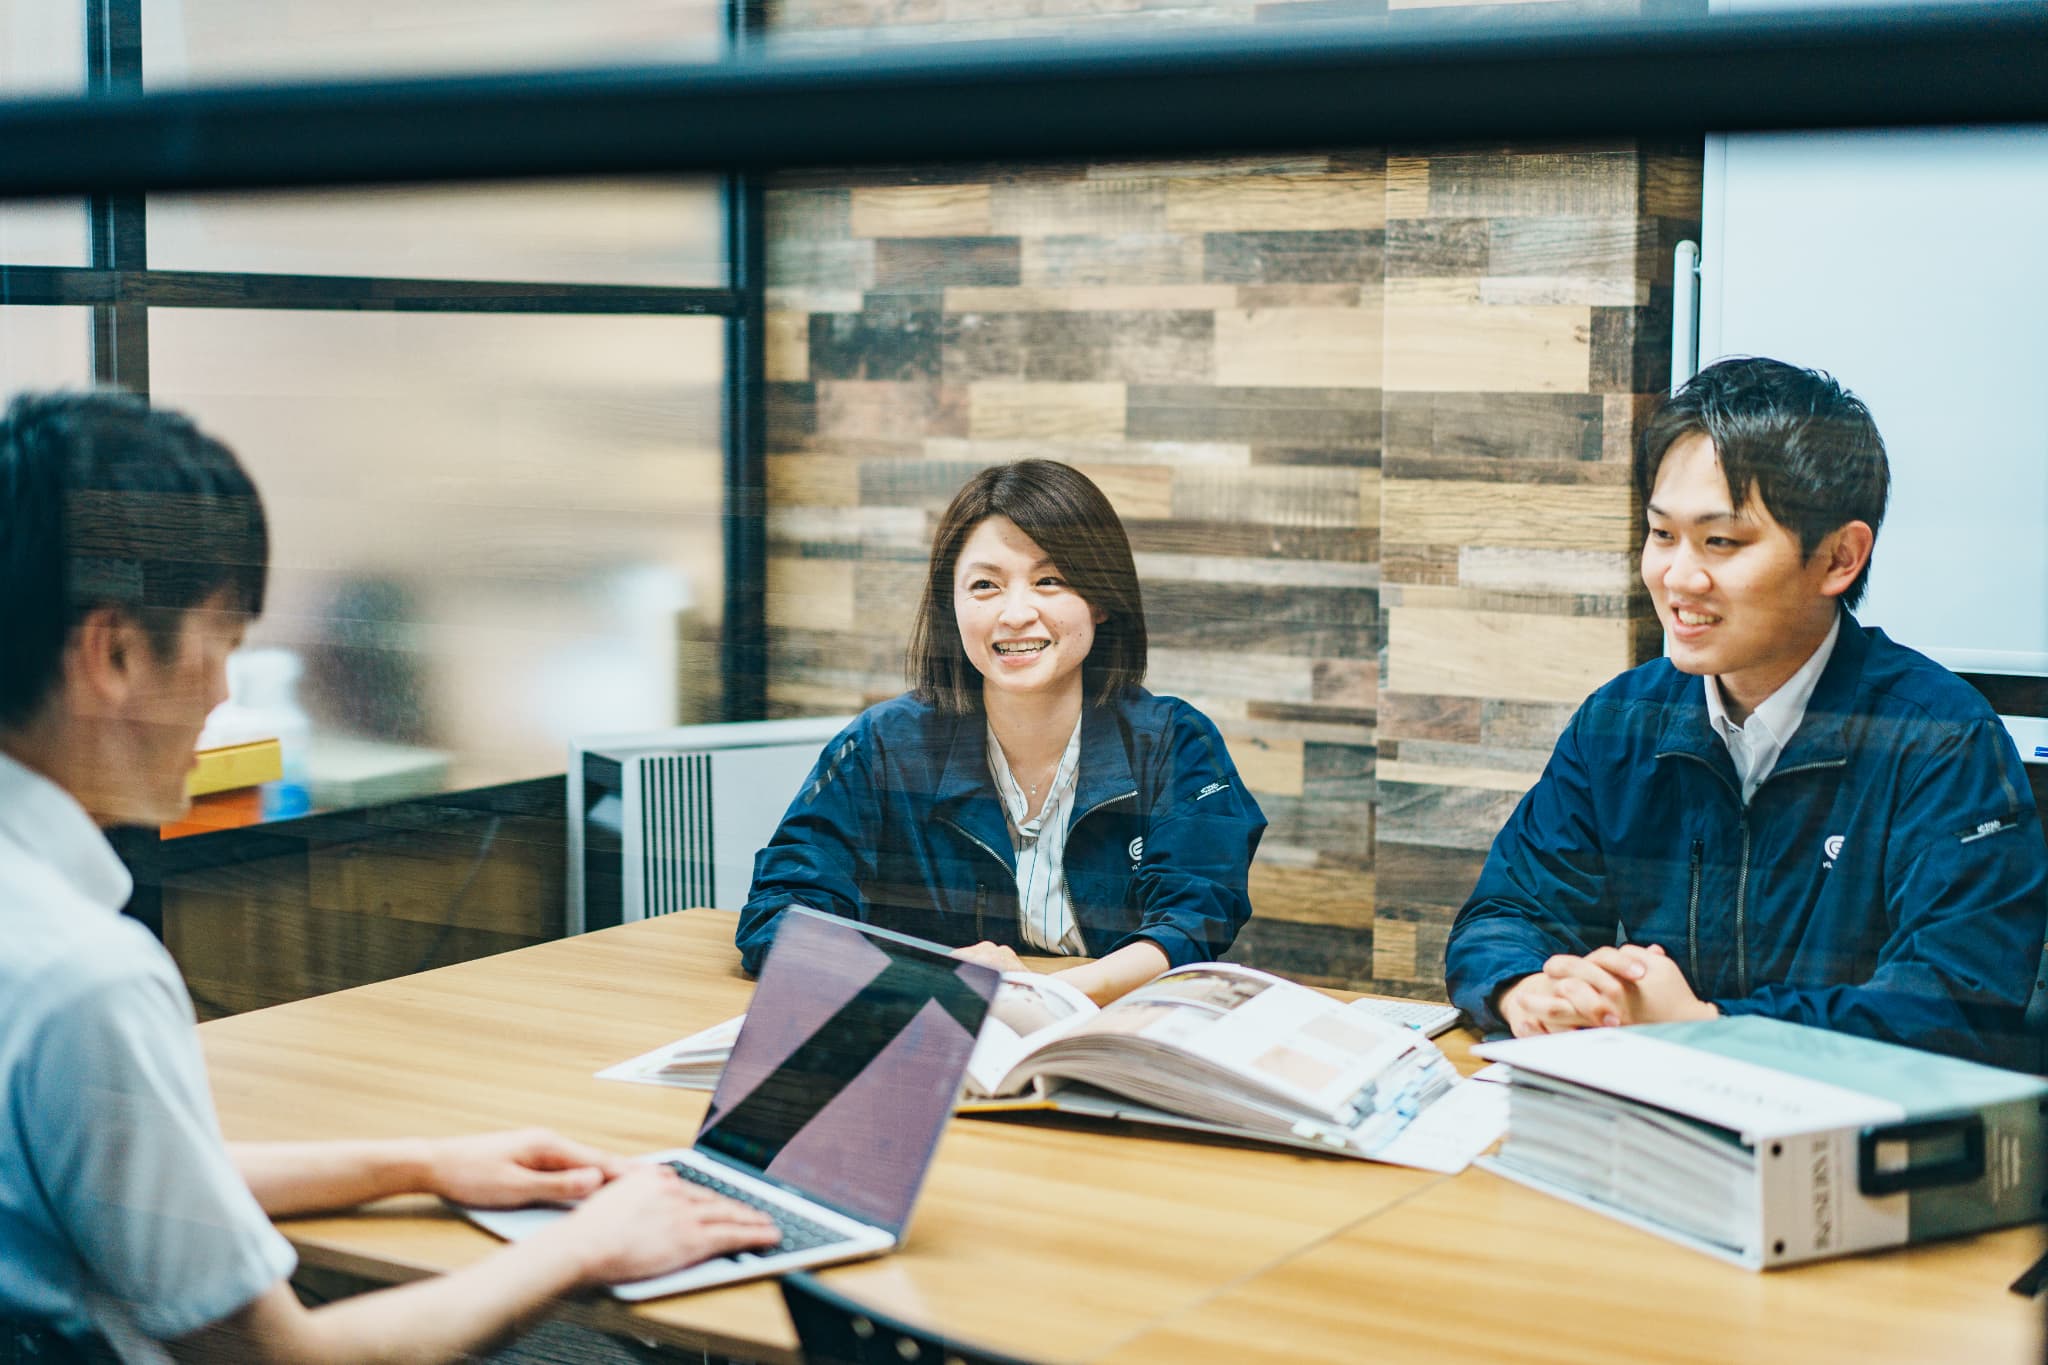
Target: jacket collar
pixel 967 794
pixel 1823 736
pixel 1820 737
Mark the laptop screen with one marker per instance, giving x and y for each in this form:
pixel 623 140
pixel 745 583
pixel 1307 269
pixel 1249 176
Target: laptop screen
pixel 848 1065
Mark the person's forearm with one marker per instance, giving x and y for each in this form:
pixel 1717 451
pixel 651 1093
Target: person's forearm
pixel 448 1317
pixel 305 1177
pixel 1123 971
pixel 454 1315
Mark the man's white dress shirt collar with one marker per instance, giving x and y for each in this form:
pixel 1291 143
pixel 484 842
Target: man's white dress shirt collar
pixel 1756 743
pixel 44 824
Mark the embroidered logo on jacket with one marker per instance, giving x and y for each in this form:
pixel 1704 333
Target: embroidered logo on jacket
pixel 1211 789
pixel 1831 849
pixel 1137 850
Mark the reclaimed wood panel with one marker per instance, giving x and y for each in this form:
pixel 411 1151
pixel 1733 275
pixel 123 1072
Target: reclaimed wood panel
pixel 1128 298
pixel 1445 343
pixel 1271 766
pixel 1319 893
pixel 1498 654
pixel 1313 953
pixel 1298 347
pixel 1508 536
pixel 1532 569
pixel 1232 349
pixel 787 344
pixel 1282 258
pixel 809 594
pixel 1339 418
pixel 1427 432
pixel 1000 410
pixel 813 481
pixel 1265 203
pixel 1444 774
pixel 1040 208
pixel 1065 261
pixel 920 265
pixel 920 211
pixel 1539 517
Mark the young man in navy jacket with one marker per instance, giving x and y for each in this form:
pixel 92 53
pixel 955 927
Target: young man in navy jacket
pixel 1790 814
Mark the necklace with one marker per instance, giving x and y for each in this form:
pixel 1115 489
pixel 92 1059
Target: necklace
pixel 1045 775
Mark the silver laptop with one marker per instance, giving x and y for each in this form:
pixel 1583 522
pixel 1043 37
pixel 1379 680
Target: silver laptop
pixel 827 1115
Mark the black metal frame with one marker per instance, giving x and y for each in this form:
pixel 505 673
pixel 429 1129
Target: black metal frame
pixel 743 639
pixel 120 288
pixel 1289 86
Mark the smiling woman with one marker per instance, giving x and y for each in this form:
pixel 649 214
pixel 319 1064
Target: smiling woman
pixel 1027 792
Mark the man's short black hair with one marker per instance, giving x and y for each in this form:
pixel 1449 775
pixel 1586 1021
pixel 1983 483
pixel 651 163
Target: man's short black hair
pixel 105 501
pixel 1795 438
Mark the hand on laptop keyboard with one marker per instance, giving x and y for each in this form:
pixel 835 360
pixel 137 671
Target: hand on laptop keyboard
pixel 647 1223
pixel 798 1233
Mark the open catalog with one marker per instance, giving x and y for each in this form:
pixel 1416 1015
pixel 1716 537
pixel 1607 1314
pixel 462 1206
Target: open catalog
pixel 1212 1047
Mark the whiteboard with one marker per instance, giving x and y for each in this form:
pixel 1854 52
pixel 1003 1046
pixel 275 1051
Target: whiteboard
pixel 1911 266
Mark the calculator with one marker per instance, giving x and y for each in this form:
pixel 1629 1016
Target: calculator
pixel 1427 1016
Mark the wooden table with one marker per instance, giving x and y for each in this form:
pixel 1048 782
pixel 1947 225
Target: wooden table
pixel 1061 1241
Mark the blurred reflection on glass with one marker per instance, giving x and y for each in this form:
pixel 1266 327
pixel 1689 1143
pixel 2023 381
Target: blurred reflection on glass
pixel 801 27
pixel 209 41
pixel 611 232
pixel 488 530
pixel 42 47
pixel 643 232
pixel 45 348
pixel 42 52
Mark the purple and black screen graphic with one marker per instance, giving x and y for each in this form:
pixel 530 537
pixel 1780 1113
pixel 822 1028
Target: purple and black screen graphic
pixel 848 1065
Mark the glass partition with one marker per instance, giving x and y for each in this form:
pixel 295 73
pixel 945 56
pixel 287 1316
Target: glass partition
pixel 45 348
pixel 614 232
pixel 641 232
pixel 190 42
pixel 1366 412
pixel 42 52
pixel 492 532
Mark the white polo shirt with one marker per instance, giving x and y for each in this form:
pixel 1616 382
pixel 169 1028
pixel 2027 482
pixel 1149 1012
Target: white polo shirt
pixel 120 1211
pixel 1756 743
pixel 1045 915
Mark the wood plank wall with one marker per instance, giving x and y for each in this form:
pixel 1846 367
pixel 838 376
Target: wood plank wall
pixel 1204 341
pixel 1527 325
pixel 1365 415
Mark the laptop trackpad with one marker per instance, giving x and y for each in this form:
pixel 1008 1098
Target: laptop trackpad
pixel 513 1224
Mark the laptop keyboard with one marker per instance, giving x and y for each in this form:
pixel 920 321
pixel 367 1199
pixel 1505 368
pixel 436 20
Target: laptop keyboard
pixel 798 1233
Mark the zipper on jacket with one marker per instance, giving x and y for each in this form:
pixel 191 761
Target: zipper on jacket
pixel 1742 885
pixel 1742 882
pixel 1692 917
pixel 955 827
pixel 981 889
pixel 1732 790
pixel 1741 914
pixel 1099 805
pixel 1066 891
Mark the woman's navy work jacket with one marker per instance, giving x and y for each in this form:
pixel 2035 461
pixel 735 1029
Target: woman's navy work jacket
pixel 899 825
pixel 1888 877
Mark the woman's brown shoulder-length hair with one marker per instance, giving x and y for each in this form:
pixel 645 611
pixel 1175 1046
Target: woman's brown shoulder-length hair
pixel 1061 509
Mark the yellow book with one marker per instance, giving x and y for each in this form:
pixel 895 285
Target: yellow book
pixel 236 765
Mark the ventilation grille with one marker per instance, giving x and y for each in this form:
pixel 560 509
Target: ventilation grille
pixel 677 871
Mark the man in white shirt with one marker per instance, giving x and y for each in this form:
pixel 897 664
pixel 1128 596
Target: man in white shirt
pixel 134 550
